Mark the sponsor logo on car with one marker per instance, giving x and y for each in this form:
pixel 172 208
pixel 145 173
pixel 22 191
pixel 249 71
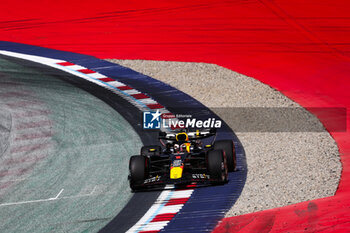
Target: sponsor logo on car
pixel 200 176
pixel 151 180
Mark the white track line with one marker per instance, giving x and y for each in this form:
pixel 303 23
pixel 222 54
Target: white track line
pixel 24 202
pixel 32 201
pixel 57 195
pixel 93 190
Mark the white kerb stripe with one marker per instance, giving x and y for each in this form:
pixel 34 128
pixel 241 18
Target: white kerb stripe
pixel 131 92
pixel 39 59
pixel 97 75
pixel 76 67
pixel 148 101
pixel 116 84
pixel 155 226
pixel 170 209
pixel 182 194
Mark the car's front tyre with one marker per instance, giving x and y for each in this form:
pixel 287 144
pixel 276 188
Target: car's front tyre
pixel 138 171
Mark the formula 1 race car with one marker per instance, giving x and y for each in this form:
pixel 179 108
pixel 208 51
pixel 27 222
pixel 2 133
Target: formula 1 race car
pixel 182 160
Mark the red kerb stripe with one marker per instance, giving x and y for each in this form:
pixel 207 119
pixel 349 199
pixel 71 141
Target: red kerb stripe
pixel 149 231
pixel 177 201
pixel 155 106
pixel 86 71
pixel 65 64
pixel 140 96
pixel 163 217
pixel 106 79
pixel 123 88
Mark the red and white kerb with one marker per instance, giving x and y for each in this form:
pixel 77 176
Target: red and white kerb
pixel 168 204
pixel 141 100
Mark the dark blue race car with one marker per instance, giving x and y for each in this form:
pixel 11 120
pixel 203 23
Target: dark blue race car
pixel 182 160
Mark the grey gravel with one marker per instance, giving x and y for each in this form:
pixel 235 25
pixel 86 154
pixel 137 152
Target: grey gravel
pixel 283 167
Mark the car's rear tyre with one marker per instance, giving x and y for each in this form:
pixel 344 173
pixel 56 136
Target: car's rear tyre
pixel 138 171
pixel 217 166
pixel 229 148
pixel 152 150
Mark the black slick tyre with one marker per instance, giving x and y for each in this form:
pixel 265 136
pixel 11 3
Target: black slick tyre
pixel 217 167
pixel 138 171
pixel 228 147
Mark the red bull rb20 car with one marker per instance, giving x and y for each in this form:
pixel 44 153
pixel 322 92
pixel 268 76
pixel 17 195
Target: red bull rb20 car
pixel 182 160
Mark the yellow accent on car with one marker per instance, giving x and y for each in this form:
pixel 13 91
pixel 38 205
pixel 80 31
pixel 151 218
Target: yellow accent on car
pixel 188 147
pixel 175 172
pixel 180 135
pixel 208 146
pixel 151 150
